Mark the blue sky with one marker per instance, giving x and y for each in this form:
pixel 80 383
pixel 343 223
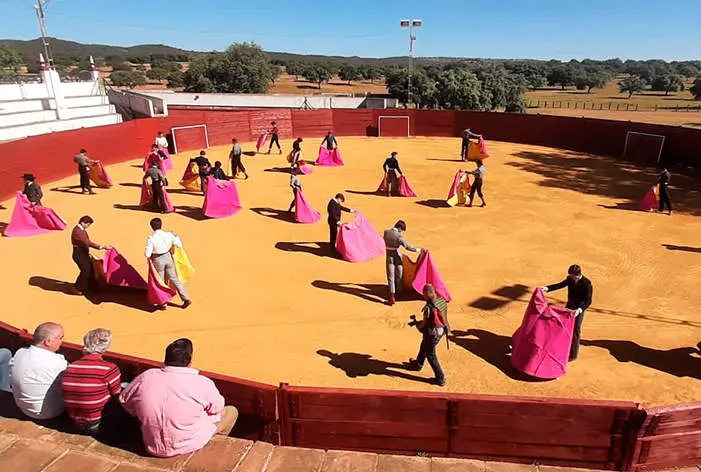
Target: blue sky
pixel 540 29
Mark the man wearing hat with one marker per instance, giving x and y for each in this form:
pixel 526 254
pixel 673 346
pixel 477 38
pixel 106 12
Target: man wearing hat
pixel 32 190
pixel 84 163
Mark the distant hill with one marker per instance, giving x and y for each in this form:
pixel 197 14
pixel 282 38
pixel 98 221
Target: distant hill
pixel 30 51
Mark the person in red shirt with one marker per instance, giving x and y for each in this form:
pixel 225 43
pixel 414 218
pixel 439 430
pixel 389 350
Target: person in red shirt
pixel 90 383
pixel 81 254
pixel 274 138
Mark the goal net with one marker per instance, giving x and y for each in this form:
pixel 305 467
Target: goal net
pixel 188 138
pixel 643 147
pixel 393 126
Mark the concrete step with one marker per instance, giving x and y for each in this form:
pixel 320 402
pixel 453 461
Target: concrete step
pixel 30 117
pixel 32 129
pixel 38 104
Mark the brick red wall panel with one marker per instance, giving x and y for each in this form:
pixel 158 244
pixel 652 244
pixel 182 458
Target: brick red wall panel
pixel 435 123
pixel 260 121
pixel 354 122
pixel 224 125
pixel 190 139
pixel 312 123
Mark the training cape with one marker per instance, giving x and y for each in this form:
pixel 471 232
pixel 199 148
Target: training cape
pixel 650 200
pixel 404 188
pixel 28 220
pixel 221 199
pixel 477 150
pixel 147 197
pixel 422 272
pixel 119 272
pixel 191 178
pixel 541 345
pixel 152 157
pixel 261 141
pixel 99 176
pixel 359 241
pixel 304 213
pixel 457 195
pixel 330 158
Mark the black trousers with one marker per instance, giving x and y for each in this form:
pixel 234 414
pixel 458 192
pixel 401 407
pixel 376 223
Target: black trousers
pixel 237 165
pixel 294 199
pixel 576 335
pixel 81 257
pixel 333 233
pixel 274 140
pixel 427 352
pixel 463 150
pixel 159 203
pixel 664 198
pixel 476 187
pixel 84 172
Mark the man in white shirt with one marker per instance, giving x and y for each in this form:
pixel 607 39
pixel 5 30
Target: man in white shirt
pixel 161 141
pixel 35 374
pixel 158 248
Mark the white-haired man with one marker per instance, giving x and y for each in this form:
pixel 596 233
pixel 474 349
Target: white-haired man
pixel 35 374
pixel 90 382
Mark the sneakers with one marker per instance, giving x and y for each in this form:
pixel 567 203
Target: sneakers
pixel 411 364
pixel 160 307
pixel 392 300
pixel 187 303
pixel 439 382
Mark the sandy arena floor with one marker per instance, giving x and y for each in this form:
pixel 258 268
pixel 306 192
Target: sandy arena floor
pixel 270 305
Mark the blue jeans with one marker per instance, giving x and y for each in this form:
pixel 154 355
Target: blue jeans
pixel 427 352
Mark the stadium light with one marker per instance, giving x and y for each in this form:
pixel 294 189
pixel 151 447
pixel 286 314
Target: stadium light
pixel 410 24
pixel 39 8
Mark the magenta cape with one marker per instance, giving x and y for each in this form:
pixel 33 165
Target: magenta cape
pixel 359 241
pixel 99 176
pixel 158 293
pixel 221 199
pixel 147 197
pixel 119 272
pixel 329 158
pixel 423 272
pixel 261 141
pixel 404 188
pixel 541 346
pixel 28 220
pixel 191 178
pixel 477 151
pixel 305 169
pixel 454 196
pixel 152 157
pixel 304 213
pixel 649 202
pixel 168 161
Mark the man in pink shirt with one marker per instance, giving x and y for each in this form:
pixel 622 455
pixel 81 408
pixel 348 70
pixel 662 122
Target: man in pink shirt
pixel 179 410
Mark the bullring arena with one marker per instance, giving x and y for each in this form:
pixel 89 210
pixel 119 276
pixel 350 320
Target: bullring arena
pixel 271 305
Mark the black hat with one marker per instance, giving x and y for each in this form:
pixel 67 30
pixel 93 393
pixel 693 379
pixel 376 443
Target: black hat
pixel 29 177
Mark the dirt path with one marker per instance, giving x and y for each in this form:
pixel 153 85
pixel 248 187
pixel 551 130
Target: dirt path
pixel 266 298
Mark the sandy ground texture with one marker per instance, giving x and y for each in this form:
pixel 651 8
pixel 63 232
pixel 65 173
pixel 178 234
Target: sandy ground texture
pixel 271 305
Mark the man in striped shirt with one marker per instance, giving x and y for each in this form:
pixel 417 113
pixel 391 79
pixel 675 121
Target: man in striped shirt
pixel 90 382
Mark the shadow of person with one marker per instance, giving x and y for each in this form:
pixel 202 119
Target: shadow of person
pixel 124 296
pixel 492 348
pixel 281 170
pixel 3 227
pixel 626 206
pixel 280 215
pixel 192 212
pixel 320 249
pixel 371 192
pixel 361 365
pixel 249 153
pixel 147 208
pixel 680 362
pixel 69 189
pixel 129 184
pixel 444 159
pixel 433 203
pixel 674 247
pixel 370 292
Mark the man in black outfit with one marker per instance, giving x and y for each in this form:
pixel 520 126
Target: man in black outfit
pixel 32 190
pixel 204 167
pixel 334 208
pixel 663 181
pixel 579 293
pixel 392 173
pixel 217 172
pixel 433 327
pixel 274 137
pixel 158 181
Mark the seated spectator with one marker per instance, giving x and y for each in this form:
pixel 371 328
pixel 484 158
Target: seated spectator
pixel 35 374
pixel 90 382
pixel 179 409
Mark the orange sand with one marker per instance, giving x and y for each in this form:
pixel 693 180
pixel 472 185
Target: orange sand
pixel 261 311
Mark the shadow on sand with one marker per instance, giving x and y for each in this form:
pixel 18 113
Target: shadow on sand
pixel 361 365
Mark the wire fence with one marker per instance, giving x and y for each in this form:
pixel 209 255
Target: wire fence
pixel 611 106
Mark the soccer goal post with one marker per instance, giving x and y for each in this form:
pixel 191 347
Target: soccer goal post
pixel 393 126
pixel 643 147
pixel 189 137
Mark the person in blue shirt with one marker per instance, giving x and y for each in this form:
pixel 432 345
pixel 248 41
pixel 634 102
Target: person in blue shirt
pixel 330 141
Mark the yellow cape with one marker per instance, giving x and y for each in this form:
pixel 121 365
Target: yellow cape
pixel 183 267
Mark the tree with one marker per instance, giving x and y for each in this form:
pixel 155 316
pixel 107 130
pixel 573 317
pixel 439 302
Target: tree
pixel 349 72
pixel 317 73
pixel 667 83
pixel 696 89
pixel 275 72
pixel 168 66
pixel 242 68
pixel 514 100
pixel 127 78
pixel 175 80
pixel 590 80
pixel 9 59
pixel 423 88
pixel 157 74
pixel 561 75
pixel 496 82
pixel 294 68
pixel 371 73
pixel 631 85
pixel 460 89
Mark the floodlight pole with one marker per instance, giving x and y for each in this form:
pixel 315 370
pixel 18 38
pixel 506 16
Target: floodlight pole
pixel 39 8
pixel 411 24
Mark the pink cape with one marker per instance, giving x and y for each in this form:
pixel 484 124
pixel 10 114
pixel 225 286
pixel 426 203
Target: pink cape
pixel 221 199
pixel 329 158
pixel 425 272
pixel 305 169
pixel 404 188
pixel 359 241
pixel 261 141
pixel 147 197
pixel 304 213
pixel 158 293
pixel 119 272
pixel 541 345
pixel 477 151
pixel 191 179
pixel 649 202
pixel 454 188
pixel 167 163
pixel 152 157
pixel 28 220
pixel 99 176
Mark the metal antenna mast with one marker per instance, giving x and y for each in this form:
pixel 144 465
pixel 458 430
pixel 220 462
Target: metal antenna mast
pixel 39 8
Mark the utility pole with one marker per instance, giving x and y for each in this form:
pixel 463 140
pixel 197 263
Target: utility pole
pixel 411 24
pixel 39 8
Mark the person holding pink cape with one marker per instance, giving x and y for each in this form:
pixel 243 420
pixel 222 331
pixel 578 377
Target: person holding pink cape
pixel 158 181
pixel 81 255
pixel 296 186
pixel 477 184
pixel 158 252
pixel 32 190
pixel 394 239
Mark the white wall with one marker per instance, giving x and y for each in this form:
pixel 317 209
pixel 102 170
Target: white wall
pixel 39 90
pixel 254 101
pixel 58 125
